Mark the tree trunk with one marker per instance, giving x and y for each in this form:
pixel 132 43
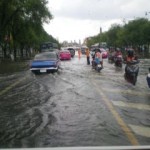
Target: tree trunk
pixel 26 52
pixel 21 53
pixel 15 52
pixel 4 52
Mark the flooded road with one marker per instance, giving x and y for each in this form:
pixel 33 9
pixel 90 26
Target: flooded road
pixel 75 107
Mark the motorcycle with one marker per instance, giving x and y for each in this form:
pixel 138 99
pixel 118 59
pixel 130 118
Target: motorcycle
pixel 148 78
pixel 97 66
pixel 118 61
pixel 131 71
pixel 111 58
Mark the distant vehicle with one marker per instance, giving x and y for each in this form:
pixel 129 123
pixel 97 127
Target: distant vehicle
pixel 64 55
pixel 118 60
pixel 104 53
pixel 45 62
pixel 99 45
pixel 83 49
pixel 48 47
pixel 111 56
pixel 72 51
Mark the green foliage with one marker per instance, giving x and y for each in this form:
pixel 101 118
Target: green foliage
pixel 22 22
pixel 135 33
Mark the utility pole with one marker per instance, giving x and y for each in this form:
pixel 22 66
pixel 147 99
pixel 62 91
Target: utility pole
pixel 100 30
pixel 147 13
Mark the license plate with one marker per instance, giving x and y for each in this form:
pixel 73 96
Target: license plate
pixel 42 70
pixel 99 65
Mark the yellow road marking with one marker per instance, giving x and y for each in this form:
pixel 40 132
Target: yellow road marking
pixel 141 130
pixel 132 105
pixel 11 86
pixel 118 118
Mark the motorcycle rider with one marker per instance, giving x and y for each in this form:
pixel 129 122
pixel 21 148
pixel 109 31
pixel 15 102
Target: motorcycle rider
pixel 111 54
pixel 130 57
pixel 118 52
pixel 87 52
pixel 97 58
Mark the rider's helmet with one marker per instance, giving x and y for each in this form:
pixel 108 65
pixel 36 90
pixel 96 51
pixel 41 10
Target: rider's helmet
pixel 130 52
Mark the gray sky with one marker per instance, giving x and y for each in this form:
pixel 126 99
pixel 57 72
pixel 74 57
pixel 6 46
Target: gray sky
pixel 78 19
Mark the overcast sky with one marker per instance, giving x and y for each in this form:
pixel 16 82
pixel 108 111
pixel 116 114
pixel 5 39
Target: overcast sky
pixel 78 19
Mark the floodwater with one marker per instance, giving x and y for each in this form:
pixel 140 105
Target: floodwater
pixel 75 107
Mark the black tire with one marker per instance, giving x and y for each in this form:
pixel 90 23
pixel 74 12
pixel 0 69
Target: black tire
pixel 116 64
pixel 49 71
pixel 98 69
pixel 36 72
pixel 56 70
pixel 125 76
pixel 120 65
pixel 134 79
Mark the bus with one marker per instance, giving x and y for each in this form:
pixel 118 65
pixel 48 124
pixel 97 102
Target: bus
pixel 48 46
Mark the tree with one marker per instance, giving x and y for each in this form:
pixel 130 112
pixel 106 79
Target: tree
pixel 135 33
pixel 23 20
pixel 112 35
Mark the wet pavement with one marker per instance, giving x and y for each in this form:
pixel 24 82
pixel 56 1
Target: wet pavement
pixel 75 107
